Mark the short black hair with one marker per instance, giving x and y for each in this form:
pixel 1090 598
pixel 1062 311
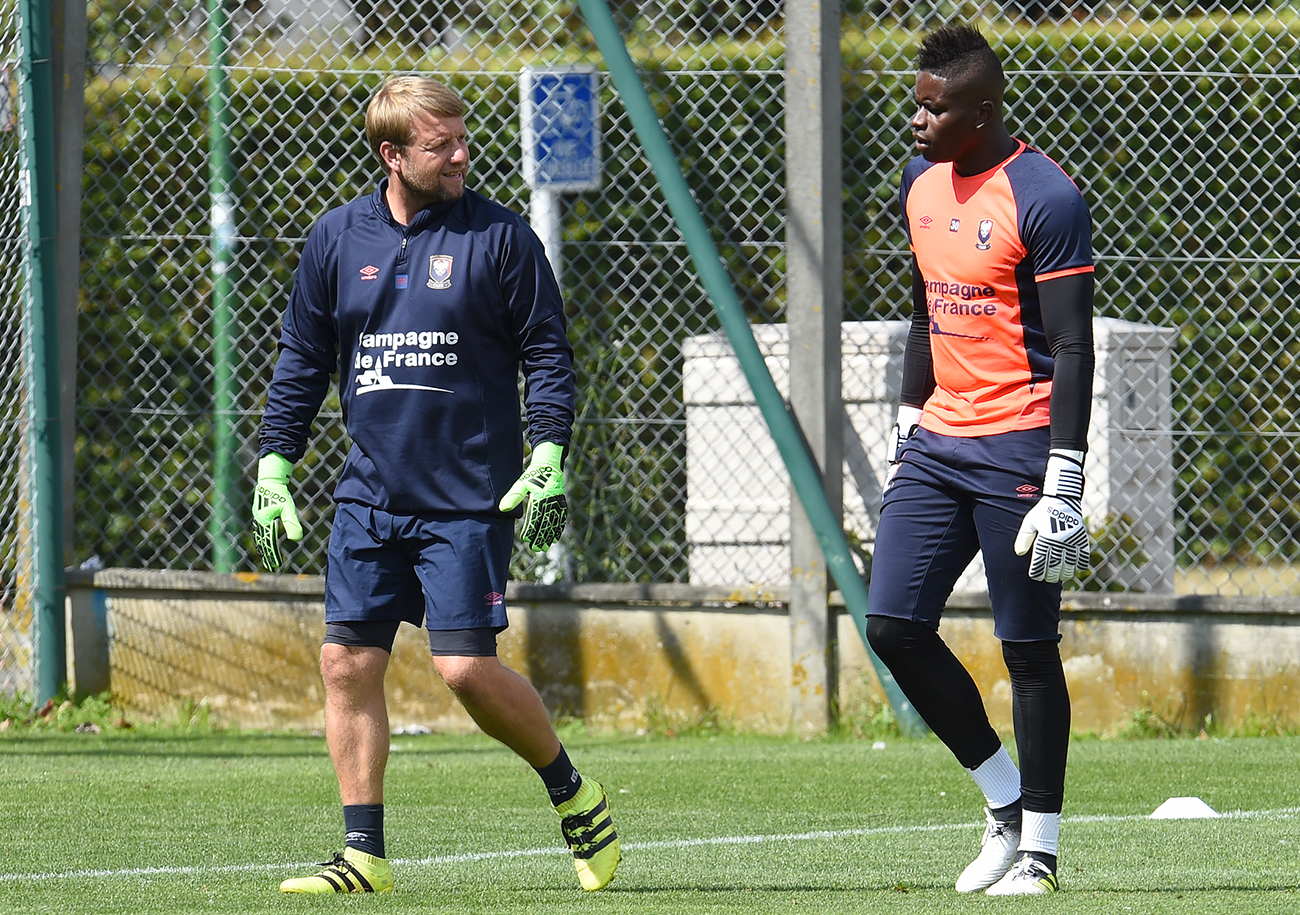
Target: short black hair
pixel 959 51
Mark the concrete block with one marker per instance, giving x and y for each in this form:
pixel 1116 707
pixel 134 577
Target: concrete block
pixel 737 511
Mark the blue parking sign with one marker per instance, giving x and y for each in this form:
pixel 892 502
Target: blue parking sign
pixel 560 111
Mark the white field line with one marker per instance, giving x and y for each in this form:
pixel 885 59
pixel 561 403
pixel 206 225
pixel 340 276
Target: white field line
pixel 1281 813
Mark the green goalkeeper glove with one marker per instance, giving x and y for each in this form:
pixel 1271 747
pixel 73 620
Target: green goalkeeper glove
pixel 543 484
pixel 272 506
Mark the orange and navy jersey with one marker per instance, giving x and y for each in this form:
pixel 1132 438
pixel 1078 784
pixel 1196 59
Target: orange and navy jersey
pixel 982 244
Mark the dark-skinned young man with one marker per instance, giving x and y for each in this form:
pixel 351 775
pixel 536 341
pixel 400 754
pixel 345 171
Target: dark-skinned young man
pixel 988 451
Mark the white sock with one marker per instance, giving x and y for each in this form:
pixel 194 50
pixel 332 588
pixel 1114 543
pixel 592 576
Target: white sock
pixel 1040 832
pixel 998 778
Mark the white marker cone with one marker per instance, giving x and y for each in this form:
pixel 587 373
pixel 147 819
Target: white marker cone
pixel 1184 808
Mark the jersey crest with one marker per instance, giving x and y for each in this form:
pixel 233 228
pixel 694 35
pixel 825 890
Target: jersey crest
pixel 439 271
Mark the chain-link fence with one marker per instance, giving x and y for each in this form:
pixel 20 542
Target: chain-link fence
pixel 15 415
pixel 1177 120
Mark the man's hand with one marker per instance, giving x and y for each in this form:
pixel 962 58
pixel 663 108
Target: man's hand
pixel 543 484
pixel 1054 530
pixel 273 508
pixel 909 420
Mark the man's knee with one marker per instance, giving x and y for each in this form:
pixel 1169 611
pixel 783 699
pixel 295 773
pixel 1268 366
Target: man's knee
pixel 892 638
pixel 463 675
pixel 1033 660
pixel 348 667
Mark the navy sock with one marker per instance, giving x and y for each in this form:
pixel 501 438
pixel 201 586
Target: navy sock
pixel 363 827
pixel 561 779
pixel 1011 815
pixel 1043 857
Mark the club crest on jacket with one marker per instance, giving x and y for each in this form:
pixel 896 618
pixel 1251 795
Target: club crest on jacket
pixel 439 271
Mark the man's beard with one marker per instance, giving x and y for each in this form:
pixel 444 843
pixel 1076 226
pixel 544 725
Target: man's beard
pixel 435 192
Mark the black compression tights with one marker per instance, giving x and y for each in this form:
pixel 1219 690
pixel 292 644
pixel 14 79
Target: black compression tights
pixel 1040 712
pixel 937 685
pixel 945 696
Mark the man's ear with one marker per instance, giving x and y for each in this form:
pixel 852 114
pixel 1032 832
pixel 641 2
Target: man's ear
pixel 389 153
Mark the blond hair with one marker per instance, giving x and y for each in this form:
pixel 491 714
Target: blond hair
pixel 390 113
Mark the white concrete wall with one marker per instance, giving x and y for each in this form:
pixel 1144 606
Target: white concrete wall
pixel 738 494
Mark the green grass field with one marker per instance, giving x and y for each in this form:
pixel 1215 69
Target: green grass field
pixel 141 824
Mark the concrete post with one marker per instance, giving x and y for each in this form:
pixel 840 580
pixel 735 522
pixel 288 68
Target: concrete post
pixel 814 310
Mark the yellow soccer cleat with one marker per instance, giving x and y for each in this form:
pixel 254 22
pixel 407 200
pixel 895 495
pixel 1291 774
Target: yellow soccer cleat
pixel 351 872
pixel 587 827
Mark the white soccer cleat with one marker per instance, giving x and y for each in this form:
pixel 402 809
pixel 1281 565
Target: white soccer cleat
pixel 1027 877
pixel 997 853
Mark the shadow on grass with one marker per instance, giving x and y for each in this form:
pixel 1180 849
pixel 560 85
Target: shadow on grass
pixel 221 746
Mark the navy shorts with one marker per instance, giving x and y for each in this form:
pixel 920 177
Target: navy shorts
pixel 951 498
pixel 444 573
pixel 460 643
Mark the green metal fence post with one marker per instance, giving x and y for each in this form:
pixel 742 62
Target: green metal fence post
pixel 225 474
pixel 36 92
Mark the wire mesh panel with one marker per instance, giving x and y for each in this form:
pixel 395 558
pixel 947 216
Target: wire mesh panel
pixel 1176 120
pixel 16 585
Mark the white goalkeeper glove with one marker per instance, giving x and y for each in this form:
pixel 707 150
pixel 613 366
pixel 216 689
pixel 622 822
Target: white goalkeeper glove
pixel 1053 533
pixel 909 420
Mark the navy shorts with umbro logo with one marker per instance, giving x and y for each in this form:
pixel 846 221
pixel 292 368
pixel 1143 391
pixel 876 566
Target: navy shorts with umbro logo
pixel 442 573
pixel 952 498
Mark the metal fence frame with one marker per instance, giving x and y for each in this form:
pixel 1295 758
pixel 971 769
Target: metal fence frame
pixel 1183 241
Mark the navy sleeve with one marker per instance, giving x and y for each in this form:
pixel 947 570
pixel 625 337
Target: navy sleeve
pixel 1057 229
pixel 1054 219
pixel 528 285
pixel 1066 304
pixel 918 369
pixel 308 355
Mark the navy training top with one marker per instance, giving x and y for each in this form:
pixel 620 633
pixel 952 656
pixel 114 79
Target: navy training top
pixel 428 326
